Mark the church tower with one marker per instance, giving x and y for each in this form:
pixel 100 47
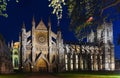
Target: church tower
pixel 91 37
pixel 107 47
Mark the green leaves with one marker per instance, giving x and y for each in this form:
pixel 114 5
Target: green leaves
pixel 83 14
pixel 3 7
pixel 80 12
pixel 57 7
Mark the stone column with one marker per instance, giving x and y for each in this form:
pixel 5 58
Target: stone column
pixel 92 61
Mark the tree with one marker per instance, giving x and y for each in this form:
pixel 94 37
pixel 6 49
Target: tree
pixel 114 3
pixel 86 15
pixel 3 6
pixel 57 8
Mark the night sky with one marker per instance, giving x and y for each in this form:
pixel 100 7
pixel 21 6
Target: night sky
pixel 26 9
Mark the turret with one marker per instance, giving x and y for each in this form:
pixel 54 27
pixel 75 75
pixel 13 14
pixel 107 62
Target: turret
pixel 50 44
pixel 107 46
pixel 33 23
pixel 12 44
pixel 49 23
pixel 23 28
pixel 60 50
pixel 23 42
pixel 9 45
pixel 91 37
pixel 59 33
pixel 33 39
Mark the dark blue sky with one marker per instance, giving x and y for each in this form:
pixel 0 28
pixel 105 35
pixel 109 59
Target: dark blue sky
pixel 24 11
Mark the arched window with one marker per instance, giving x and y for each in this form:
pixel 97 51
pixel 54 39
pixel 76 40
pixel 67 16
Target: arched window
pixel 16 62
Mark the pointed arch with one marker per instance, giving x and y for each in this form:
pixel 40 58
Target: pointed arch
pixel 44 58
pixel 41 64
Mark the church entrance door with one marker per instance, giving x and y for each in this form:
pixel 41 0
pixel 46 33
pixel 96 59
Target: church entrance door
pixel 42 65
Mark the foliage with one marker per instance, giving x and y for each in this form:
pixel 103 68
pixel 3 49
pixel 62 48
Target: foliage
pixel 57 5
pixel 83 13
pixel 3 7
pixel 86 15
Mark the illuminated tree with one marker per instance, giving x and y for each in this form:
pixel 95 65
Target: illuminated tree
pixel 85 15
pixel 57 8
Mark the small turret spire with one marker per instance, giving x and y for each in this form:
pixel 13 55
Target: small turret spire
pixel 8 45
pixel 33 21
pixel 23 26
pixel 59 32
pixel 58 29
pixel 12 44
pixel 49 22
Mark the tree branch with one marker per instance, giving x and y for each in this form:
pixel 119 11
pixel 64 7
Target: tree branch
pixel 114 3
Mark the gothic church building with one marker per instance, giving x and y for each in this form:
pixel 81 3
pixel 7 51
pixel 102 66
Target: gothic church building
pixel 42 50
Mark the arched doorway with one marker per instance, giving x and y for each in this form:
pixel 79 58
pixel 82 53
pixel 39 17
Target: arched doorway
pixel 41 65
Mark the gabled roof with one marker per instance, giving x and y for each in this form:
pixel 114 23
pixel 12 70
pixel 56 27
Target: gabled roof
pixel 41 26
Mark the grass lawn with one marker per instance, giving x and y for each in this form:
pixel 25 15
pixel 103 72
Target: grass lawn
pixel 68 75
pixel 87 76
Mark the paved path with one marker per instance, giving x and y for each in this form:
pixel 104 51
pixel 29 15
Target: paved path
pixel 42 76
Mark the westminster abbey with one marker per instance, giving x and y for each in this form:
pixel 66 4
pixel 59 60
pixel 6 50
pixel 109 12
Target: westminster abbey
pixel 42 50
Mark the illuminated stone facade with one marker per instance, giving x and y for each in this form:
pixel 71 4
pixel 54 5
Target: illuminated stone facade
pixel 5 59
pixel 41 50
pixel 97 54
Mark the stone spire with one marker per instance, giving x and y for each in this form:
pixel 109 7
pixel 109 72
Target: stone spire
pixel 12 44
pixel 23 26
pixel 58 30
pixel 8 45
pixel 49 22
pixel 33 22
